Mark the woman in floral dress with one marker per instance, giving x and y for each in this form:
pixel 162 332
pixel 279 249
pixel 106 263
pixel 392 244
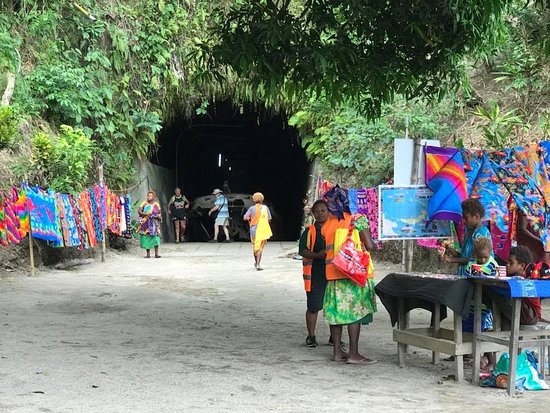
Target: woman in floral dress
pixel 346 303
pixel 149 226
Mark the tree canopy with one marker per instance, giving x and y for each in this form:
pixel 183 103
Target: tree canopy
pixel 369 50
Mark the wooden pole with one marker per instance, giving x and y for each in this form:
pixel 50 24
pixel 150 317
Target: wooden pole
pixel 103 245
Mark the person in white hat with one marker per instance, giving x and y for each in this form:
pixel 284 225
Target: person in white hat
pixel 222 215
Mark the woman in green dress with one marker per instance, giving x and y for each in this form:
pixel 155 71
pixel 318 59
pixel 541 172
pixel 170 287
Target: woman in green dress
pixel 345 302
pixel 149 226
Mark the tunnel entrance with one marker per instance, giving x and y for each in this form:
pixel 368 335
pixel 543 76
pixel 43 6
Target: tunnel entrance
pixel 245 151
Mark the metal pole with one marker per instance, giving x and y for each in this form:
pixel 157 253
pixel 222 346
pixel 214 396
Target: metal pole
pixel 414 180
pixel 103 247
pixel 404 262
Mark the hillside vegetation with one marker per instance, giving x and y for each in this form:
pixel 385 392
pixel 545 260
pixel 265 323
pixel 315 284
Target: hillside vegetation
pixel 116 71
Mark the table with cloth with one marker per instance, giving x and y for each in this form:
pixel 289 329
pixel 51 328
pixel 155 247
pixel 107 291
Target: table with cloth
pixel 400 293
pixel 513 340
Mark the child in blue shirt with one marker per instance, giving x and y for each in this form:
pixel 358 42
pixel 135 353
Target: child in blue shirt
pixel 472 216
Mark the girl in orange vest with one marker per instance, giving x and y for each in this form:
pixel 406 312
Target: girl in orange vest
pixel 312 249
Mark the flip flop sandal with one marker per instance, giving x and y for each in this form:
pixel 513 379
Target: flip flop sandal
pixel 342 360
pixel 362 362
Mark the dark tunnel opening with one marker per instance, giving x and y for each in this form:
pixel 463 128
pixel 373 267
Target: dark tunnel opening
pixel 249 151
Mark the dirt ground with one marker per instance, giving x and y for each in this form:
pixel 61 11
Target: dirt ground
pixel 201 330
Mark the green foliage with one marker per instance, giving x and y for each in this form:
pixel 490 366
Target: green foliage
pixel 520 64
pixel 113 78
pixel 62 163
pixel 58 89
pixel 370 51
pixel 120 77
pixel 498 125
pixel 8 126
pixel 10 59
pixel 544 123
pixel 348 144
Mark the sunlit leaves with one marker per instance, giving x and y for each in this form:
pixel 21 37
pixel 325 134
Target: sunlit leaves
pixel 341 49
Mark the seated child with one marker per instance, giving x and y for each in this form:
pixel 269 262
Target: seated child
pixel 519 263
pixel 483 262
pixel 472 216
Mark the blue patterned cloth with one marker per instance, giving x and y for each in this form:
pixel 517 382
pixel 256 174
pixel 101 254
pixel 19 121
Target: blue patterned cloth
pixel 43 215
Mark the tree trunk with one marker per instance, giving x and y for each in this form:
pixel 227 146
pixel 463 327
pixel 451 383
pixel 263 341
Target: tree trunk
pixel 6 97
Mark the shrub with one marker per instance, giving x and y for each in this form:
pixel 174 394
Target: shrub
pixel 8 126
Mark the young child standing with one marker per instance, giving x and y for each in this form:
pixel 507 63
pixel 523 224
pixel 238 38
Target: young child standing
pixel 483 262
pixel 472 216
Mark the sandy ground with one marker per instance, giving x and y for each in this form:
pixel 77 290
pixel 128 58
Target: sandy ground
pixel 201 330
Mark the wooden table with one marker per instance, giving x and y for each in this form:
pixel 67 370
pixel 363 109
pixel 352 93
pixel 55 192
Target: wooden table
pixel 513 340
pixel 401 293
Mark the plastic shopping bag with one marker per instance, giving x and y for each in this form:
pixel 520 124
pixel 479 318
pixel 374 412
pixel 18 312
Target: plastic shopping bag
pixel 527 376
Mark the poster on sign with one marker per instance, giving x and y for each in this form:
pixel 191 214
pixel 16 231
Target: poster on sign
pixel 403 212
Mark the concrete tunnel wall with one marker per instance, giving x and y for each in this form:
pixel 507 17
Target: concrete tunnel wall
pixel 162 181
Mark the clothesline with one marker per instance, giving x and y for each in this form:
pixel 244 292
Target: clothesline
pixel 63 220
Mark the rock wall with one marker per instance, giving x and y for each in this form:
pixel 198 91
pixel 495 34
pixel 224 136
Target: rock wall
pixel 162 181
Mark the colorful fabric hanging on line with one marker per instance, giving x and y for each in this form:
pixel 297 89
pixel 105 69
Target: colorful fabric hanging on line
pixel 21 208
pixel 43 215
pixel 3 227
pixel 96 214
pixel 535 159
pixel 114 214
pixel 353 200
pixel 87 219
pixel 13 224
pixel 492 194
pixel 428 243
pixel 517 177
pixel 126 217
pixel 445 177
pixel 69 226
pixel 544 168
pixel 472 165
pixel 323 187
pixel 123 227
pixel 100 194
pixel 80 227
pixel 367 205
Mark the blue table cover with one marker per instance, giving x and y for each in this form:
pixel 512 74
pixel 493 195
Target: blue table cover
pixel 520 287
